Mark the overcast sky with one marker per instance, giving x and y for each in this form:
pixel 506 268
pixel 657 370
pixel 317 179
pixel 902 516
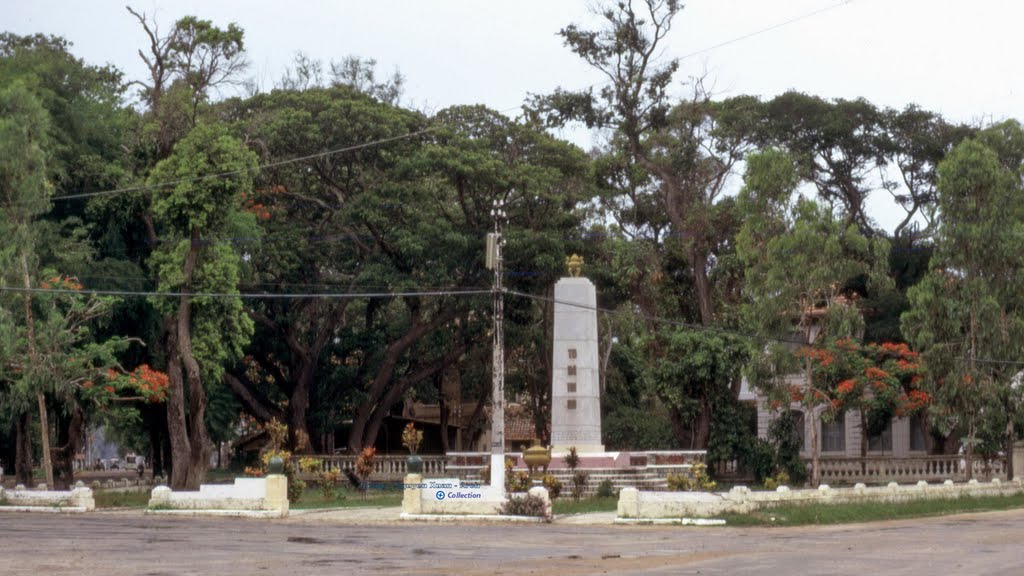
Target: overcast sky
pixel 961 59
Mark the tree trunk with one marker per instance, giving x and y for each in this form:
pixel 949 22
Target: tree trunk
pixel 378 388
pixel 197 456
pixel 678 429
pixel 177 429
pixel 298 406
pixel 702 427
pixel 23 450
pixel 475 430
pixel 442 411
pixel 1008 449
pixel 156 426
pixel 199 441
pixel 864 441
pixel 44 432
pixel 815 452
pixel 398 389
pixel 699 258
pixel 30 327
pixel 69 439
pixel 253 402
pixel 813 417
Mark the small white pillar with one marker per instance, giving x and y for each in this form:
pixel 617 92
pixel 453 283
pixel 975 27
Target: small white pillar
pixel 629 503
pixel 498 473
pixel 160 496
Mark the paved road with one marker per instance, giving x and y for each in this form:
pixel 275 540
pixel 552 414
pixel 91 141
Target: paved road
pixel 114 544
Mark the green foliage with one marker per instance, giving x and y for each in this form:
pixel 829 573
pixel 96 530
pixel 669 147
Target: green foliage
pixel 579 478
pixel 517 482
pixel 606 490
pixel 733 429
pixel 786 440
pixel 693 373
pixel 697 480
pixel 553 485
pixel 970 308
pixel 365 463
pixel 205 211
pixel 579 484
pixel 634 428
pixel 799 262
pixel 773 482
pixel 572 459
pixel 757 456
pixel 632 417
pixel 199 199
pixel 24 186
pixel 527 505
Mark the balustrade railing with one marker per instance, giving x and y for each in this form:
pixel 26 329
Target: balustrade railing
pixel 836 470
pixel 906 469
pixel 385 468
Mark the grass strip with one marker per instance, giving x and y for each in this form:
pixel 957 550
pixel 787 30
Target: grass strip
pixel 110 499
pixel 846 513
pixel 583 506
pixel 314 499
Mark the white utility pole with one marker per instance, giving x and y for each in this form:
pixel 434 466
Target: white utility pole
pixel 494 243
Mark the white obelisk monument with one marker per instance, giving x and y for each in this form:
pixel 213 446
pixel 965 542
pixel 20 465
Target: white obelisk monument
pixel 575 392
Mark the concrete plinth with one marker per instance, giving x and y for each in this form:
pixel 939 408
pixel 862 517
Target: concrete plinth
pixel 411 494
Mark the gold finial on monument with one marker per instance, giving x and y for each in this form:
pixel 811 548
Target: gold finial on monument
pixel 574 265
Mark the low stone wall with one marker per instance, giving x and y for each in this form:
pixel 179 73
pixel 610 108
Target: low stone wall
pixel 127 484
pixel 452 496
pixel 448 496
pixel 636 504
pixel 268 496
pixel 78 499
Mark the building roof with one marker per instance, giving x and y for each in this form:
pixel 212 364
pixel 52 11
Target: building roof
pixel 519 423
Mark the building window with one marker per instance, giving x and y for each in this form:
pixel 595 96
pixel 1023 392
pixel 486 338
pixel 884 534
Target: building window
pixel 572 353
pixel 833 434
pixel 572 386
pixel 571 405
pixel 917 431
pixel 572 370
pixel 881 442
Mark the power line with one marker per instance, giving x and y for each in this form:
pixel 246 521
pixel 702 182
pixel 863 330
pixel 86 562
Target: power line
pixel 438 293
pixel 725 43
pixel 249 295
pixel 700 327
pixel 656 319
pixel 144 187
pixel 768 29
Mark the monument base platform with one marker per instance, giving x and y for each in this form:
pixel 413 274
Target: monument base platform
pixel 594 449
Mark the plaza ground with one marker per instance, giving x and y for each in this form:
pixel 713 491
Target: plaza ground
pixel 114 543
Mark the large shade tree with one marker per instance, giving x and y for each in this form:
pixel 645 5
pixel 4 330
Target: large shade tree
pixel 210 171
pixel 967 314
pixel 799 257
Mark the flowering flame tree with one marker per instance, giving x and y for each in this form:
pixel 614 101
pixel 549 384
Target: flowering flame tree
pixel 879 381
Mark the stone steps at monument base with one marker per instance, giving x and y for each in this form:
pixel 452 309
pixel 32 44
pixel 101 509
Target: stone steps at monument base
pixel 619 477
pixel 643 481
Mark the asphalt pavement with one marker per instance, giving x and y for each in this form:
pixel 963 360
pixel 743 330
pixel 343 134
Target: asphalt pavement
pixel 114 543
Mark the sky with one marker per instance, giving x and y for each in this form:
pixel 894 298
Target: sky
pixel 960 59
